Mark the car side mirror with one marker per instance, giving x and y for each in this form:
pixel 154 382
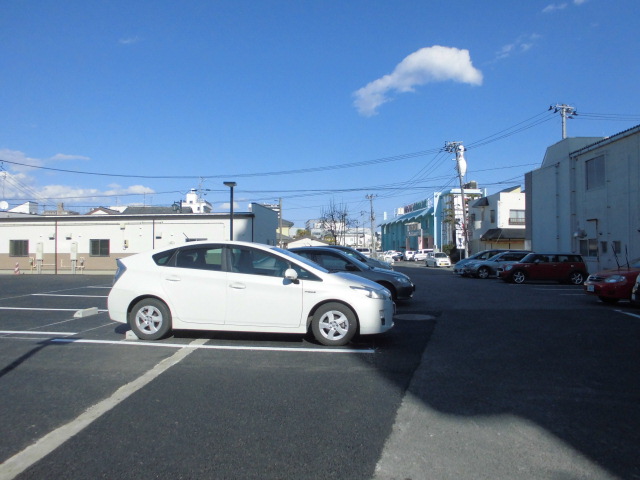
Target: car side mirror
pixel 291 274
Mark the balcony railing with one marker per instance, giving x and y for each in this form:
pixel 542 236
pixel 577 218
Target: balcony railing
pixel 516 221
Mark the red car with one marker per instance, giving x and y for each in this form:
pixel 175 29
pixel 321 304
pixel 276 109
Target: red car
pixel 561 267
pixel 613 285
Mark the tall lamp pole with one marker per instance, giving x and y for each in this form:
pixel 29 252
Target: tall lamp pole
pixel 231 185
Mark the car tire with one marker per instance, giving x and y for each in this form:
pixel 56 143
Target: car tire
pixel 483 272
pixel 518 277
pixel 150 319
pixel 334 324
pixel 576 278
pixel 609 300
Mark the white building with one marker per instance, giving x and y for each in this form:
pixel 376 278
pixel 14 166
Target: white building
pixel 59 243
pixel 498 221
pixel 585 198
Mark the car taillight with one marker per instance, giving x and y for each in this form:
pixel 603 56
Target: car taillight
pixel 119 271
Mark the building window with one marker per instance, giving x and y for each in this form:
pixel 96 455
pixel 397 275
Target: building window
pixel 595 173
pixel 18 248
pixel 589 247
pixel 516 217
pixel 492 216
pixel 100 248
pixel 617 246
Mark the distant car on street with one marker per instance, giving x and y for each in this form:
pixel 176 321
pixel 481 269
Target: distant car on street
pixel 613 285
pixel 421 255
pixel 399 284
pixel 437 259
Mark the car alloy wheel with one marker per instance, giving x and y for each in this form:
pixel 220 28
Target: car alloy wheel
pixel 334 324
pixel 150 319
pixel 519 276
pixel 483 272
pixel 576 278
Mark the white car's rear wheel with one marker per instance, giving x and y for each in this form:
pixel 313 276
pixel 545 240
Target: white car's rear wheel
pixel 334 324
pixel 150 319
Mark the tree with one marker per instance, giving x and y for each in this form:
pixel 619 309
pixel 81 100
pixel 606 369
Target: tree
pixel 301 233
pixel 335 221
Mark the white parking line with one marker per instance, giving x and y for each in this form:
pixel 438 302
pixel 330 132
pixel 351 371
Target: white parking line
pixel 60 295
pixel 42 309
pixel 17 464
pixel 35 332
pixel 629 313
pixel 48 309
pixel 213 347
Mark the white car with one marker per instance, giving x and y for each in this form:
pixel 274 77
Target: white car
pixel 408 255
pixel 248 287
pixel 438 259
pixel 421 255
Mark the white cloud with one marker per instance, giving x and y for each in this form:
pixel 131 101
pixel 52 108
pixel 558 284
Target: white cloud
pixel 129 40
pixel 18 181
pixel 62 157
pixel 553 7
pixel 429 64
pixel 520 45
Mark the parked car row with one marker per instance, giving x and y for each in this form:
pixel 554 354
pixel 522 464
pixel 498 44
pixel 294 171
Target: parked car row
pixel 518 266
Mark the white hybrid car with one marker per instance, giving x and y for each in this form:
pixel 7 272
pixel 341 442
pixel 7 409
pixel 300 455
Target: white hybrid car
pixel 241 286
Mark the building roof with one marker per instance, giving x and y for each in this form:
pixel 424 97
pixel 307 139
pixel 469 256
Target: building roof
pixel 154 210
pixel 407 217
pixel 503 234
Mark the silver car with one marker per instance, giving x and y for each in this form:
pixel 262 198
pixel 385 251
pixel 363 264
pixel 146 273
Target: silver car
pixel 399 284
pixel 489 268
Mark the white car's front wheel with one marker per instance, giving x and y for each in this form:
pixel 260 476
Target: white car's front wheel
pixel 334 324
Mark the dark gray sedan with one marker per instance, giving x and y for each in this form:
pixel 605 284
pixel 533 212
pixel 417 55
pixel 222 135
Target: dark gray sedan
pixel 399 284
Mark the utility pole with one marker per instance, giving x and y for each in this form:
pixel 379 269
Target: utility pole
pixel 280 244
pixel 372 217
pixel 565 112
pixel 461 166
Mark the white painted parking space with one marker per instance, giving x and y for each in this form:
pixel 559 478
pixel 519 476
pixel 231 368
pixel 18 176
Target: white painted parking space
pixel 136 343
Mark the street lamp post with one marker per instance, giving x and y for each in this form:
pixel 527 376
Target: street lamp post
pixel 231 185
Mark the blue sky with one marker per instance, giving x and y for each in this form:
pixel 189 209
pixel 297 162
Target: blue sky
pixel 136 102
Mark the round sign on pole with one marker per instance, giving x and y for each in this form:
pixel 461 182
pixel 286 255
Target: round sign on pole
pixel 3 205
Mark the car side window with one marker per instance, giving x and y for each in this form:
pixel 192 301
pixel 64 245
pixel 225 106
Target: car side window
pixel 203 258
pixel 332 262
pixel 162 258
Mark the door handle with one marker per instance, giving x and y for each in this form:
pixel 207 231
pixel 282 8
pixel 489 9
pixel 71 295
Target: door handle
pixel 238 286
pixel 173 278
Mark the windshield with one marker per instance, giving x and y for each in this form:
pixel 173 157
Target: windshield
pixel 635 263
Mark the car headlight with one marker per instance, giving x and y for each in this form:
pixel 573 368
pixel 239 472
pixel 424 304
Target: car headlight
pixel 614 279
pixel 404 280
pixel 508 267
pixel 380 293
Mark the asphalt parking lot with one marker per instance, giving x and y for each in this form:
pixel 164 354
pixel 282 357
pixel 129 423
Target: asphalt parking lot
pixel 478 379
